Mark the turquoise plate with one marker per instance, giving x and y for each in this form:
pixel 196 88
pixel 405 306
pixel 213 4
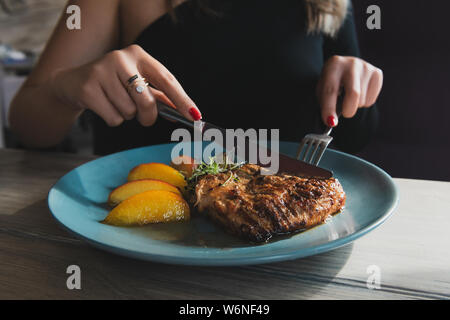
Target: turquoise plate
pixel 77 201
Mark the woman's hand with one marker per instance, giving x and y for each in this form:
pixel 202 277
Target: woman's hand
pixel 360 81
pixel 101 86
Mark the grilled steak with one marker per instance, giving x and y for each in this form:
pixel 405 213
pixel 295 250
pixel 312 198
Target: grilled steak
pixel 256 206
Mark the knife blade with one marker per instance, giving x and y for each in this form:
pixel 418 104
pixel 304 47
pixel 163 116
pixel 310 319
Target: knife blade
pixel 286 164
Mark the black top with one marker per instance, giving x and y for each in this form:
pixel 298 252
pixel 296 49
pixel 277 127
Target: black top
pixel 251 66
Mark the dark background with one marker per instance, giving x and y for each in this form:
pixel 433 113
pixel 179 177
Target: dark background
pixel 413 50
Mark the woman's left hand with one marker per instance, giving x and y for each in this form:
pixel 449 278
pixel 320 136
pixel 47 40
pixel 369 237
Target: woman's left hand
pixel 360 81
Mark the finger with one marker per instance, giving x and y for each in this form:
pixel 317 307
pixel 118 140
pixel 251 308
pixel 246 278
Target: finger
pixel 125 67
pixel 374 87
pixel 148 113
pixel 352 89
pixel 166 82
pixel 145 101
pixel 328 96
pixel 100 104
pixel 119 97
pixel 364 85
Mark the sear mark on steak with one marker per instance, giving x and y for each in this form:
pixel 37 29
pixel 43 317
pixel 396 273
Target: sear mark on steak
pixel 256 206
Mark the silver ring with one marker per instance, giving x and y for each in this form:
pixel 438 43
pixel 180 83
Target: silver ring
pixel 137 83
pixel 140 89
pixel 132 79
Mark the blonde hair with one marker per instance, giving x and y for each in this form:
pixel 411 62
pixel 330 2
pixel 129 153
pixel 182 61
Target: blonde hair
pixel 323 16
pixel 326 16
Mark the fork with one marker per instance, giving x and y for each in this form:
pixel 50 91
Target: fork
pixel 318 143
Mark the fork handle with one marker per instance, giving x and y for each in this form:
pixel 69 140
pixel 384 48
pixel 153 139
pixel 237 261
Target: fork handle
pixel 172 114
pixel 328 131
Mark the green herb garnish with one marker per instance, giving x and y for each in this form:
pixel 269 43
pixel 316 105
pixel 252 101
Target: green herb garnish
pixel 232 176
pixel 213 167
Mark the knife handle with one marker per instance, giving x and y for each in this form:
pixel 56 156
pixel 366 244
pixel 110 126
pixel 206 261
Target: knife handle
pixel 172 114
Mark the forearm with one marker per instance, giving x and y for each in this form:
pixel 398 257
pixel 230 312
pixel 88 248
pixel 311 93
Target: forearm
pixel 39 118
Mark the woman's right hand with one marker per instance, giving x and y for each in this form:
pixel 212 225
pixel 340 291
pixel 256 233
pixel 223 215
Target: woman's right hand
pixel 101 86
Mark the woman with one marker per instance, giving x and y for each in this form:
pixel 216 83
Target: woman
pixel 240 64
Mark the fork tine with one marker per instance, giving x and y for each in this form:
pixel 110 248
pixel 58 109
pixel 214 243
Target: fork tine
pixel 305 156
pixel 313 153
pixel 300 148
pixel 323 147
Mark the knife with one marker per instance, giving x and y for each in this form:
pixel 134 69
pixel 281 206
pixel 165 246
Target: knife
pixel 286 163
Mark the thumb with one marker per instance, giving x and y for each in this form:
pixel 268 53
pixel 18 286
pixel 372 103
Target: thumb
pixel 160 96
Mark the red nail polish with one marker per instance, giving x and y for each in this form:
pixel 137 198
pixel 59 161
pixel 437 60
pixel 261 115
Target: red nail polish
pixel 331 121
pixel 195 113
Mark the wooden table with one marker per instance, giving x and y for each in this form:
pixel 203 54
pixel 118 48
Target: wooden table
pixel 411 252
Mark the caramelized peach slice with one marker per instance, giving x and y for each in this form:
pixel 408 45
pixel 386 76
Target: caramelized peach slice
pixel 149 207
pixel 158 171
pixel 138 186
pixel 184 164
